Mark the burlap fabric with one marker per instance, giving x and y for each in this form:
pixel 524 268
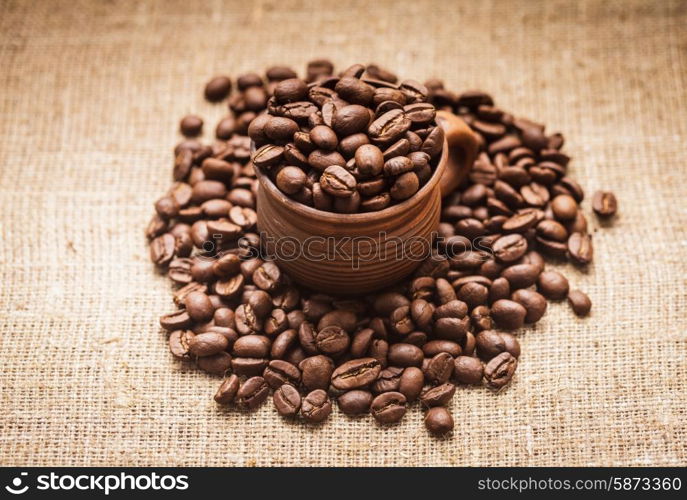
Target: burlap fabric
pixel 90 94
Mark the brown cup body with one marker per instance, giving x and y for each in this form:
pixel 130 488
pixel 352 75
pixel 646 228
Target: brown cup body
pixel 367 258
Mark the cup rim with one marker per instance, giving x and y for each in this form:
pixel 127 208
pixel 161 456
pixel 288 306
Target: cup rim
pixel 335 217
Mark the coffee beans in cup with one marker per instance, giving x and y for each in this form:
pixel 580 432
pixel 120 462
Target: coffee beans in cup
pixel 361 142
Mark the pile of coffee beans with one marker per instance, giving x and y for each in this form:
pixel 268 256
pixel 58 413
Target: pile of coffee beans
pixel 349 143
pixel 240 317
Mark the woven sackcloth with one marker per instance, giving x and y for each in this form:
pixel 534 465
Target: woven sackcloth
pixel 90 97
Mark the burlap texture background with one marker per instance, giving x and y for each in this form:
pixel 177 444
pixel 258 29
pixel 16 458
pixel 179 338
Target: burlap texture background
pixel 90 95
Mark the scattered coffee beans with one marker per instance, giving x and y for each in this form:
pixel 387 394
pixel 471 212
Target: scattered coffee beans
pixel 361 142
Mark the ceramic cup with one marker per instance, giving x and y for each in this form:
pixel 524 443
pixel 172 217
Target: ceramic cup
pixel 347 254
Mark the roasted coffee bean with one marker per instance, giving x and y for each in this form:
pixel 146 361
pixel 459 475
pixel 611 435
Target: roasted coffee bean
pixel 388 380
pixel 489 344
pixel 332 340
pixel 438 396
pixel 512 344
pixel 191 125
pixel 217 364
pixel 604 203
pixel 291 179
pixel 227 390
pixel 248 367
pixel 283 343
pixel 439 368
pixel 162 249
pixel 177 320
pixel 199 307
pixel 344 319
pixel 521 275
pixel 316 406
pixel 405 355
pixel 468 370
pixel 509 248
pixel 473 294
pixel 481 319
pixel 579 302
pixel 279 372
pixel 534 303
pixel 218 88
pixel 276 323
pixel 434 347
pixel 316 372
pixel 508 314
pixel 553 285
pixel 388 407
pixel 438 421
pixel 252 346
pixel 355 402
pixel 580 248
pixel 356 373
pixel 207 344
pixel 499 371
pixel 411 382
pixel 267 276
pixel 252 393
pixel 287 400
pixel 179 341
pixel 290 90
pixel 338 182
pixel 564 207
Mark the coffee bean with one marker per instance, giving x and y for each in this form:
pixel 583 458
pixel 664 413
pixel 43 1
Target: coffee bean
pixel 316 406
pixel 354 91
pixel 356 373
pixel 388 407
pixel 290 90
pixel 199 307
pixel 217 364
pixel 439 368
pixel 267 276
pixel 179 341
pixel 604 203
pixel 338 182
pixel 252 393
pixel 162 249
pixel 499 371
pixel 533 302
pixel 227 390
pixel 191 125
pixel 552 285
pixel 579 302
pixel 316 372
pixel 511 343
pixel 332 340
pixel 345 319
pixel 355 402
pixel 564 207
pixel 388 380
pixel 291 179
pixel 580 248
pixel 405 355
pixel 287 400
pixel 279 372
pixel 405 186
pixel 207 344
pixel 521 275
pixel 350 120
pixel 218 88
pixel 438 421
pixel 468 370
pixel 438 396
pixel 508 314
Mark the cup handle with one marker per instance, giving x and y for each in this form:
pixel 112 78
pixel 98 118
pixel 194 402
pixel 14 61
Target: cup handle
pixel 462 150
